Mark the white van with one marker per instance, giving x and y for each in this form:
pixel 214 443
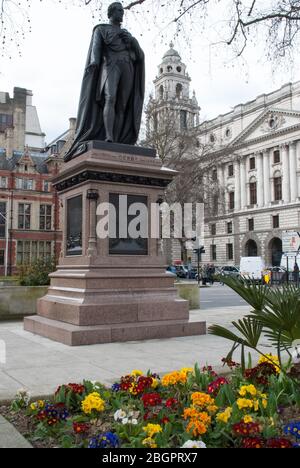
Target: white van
pixel 252 268
pixel 288 260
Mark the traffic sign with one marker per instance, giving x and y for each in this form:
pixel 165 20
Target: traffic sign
pixel 290 241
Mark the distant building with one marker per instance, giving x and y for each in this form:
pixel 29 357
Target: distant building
pixel 256 148
pixel 29 207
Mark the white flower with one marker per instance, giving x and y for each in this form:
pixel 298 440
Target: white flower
pixel 296 355
pixel 119 415
pixel 194 444
pixel 134 422
pixel 125 421
pixel 23 395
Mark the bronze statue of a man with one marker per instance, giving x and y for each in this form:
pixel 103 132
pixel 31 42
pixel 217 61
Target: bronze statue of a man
pixel 113 85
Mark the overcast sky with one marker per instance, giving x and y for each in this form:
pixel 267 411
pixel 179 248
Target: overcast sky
pixel 54 55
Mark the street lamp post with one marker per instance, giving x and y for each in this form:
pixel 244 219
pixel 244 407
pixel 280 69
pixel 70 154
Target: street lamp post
pixel 6 241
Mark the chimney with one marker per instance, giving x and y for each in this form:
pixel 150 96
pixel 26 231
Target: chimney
pixel 72 126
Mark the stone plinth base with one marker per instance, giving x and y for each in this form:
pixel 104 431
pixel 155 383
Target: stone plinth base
pixel 73 335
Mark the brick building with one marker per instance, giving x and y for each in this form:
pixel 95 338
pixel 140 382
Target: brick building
pixel 29 208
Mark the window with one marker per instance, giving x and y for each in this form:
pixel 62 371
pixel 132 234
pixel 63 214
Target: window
pixel 231 200
pixel 212 138
pixel 215 206
pixel 213 252
pixel 276 222
pixel 277 188
pixel 252 163
pixel 24 216
pixel 24 184
pixel 46 186
pixel 183 120
pixel 215 175
pixel 179 91
pixel 251 224
pixel 2 257
pixel 229 251
pixel 3 182
pixel 229 228
pixel 2 219
pixel 6 120
pixel 45 217
pixel 29 251
pixel 230 170
pixel 253 193
pixel 276 157
pixel 213 229
pixel 161 92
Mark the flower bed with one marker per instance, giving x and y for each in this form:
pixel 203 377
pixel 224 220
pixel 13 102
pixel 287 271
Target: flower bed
pixel 258 408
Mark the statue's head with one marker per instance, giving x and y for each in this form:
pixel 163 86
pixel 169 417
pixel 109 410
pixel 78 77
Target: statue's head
pixel 116 12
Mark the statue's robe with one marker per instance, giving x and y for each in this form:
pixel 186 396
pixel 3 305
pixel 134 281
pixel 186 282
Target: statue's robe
pixel 106 43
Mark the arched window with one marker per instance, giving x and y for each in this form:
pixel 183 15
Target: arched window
pixel 179 90
pixel 169 68
pixel 161 92
pixel 251 248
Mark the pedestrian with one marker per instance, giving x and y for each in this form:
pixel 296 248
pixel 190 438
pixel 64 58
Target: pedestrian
pixel 296 274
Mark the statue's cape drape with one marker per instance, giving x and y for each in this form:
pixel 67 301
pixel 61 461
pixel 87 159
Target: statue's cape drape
pixel 90 124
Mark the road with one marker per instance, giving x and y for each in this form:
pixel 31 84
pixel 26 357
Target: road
pixel 219 296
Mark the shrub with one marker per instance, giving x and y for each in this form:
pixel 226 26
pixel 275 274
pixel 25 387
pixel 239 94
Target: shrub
pixel 36 273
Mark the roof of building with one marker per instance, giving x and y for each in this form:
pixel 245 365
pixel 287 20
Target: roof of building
pixel 171 53
pixel 11 163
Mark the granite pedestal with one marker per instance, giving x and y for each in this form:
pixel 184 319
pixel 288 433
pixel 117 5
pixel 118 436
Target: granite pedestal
pixel 100 294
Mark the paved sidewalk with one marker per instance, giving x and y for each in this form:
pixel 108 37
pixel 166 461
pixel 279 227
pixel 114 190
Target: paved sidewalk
pixel 10 437
pixel 40 365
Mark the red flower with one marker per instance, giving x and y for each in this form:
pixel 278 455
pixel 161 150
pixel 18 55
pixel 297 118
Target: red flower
pixel 76 388
pixel 52 421
pixel 246 429
pixel 253 443
pixel 214 387
pixel 171 403
pixel 165 420
pixel 151 399
pixel 80 428
pixel 280 443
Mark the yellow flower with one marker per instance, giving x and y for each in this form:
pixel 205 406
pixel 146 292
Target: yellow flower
pixel 136 373
pixel 202 399
pixel 173 378
pixel 197 428
pixel 247 419
pixel 148 442
pixel 264 403
pixel 256 405
pixel 187 370
pixel 225 416
pixel 212 409
pixel 33 406
pixel 244 403
pixel 154 383
pixel 152 429
pixel 41 404
pixel 271 360
pixel 92 402
pixel 248 389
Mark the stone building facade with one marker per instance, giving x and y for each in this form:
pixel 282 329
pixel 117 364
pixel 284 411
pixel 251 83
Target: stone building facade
pixel 29 207
pixel 256 148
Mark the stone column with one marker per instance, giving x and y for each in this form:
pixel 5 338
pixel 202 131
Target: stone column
pixel 243 184
pixel 293 171
pixel 237 188
pixel 92 196
pixel 267 181
pixel 285 173
pixel 260 180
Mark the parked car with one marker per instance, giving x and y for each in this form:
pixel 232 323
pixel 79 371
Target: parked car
pixel 192 273
pixel 252 268
pixel 179 270
pixel 172 269
pixel 229 270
